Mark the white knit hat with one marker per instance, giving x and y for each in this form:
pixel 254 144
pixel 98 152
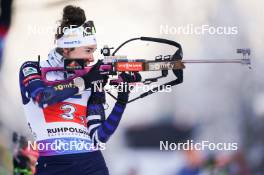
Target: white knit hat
pixel 77 37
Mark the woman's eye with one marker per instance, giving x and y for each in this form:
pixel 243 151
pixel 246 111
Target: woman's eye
pixel 90 50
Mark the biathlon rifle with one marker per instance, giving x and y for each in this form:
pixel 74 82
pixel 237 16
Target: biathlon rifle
pixel 114 64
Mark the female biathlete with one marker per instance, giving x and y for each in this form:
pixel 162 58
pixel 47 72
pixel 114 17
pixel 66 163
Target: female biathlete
pixel 68 119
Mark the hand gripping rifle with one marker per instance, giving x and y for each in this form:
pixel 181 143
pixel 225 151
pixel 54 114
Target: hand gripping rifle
pixel 112 65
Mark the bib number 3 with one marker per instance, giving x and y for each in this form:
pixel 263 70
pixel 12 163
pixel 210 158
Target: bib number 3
pixel 69 111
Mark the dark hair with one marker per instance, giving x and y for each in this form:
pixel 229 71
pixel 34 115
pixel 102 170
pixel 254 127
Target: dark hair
pixel 73 16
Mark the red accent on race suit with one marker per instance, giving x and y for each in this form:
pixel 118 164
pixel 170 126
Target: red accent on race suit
pixel 31 78
pixel 65 112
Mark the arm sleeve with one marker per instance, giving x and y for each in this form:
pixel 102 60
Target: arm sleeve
pixel 101 128
pixel 33 87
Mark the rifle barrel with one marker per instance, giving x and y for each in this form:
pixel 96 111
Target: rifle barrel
pixel 241 61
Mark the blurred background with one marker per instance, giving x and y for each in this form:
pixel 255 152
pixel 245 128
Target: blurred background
pixel 217 103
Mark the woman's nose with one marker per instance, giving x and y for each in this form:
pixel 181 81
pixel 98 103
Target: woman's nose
pixel 90 58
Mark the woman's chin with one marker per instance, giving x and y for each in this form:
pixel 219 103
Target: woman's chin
pixel 87 63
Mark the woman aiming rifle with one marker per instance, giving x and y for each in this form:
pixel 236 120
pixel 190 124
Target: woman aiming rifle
pixel 68 120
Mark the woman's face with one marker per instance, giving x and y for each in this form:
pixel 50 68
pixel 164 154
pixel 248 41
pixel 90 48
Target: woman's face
pixel 84 52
